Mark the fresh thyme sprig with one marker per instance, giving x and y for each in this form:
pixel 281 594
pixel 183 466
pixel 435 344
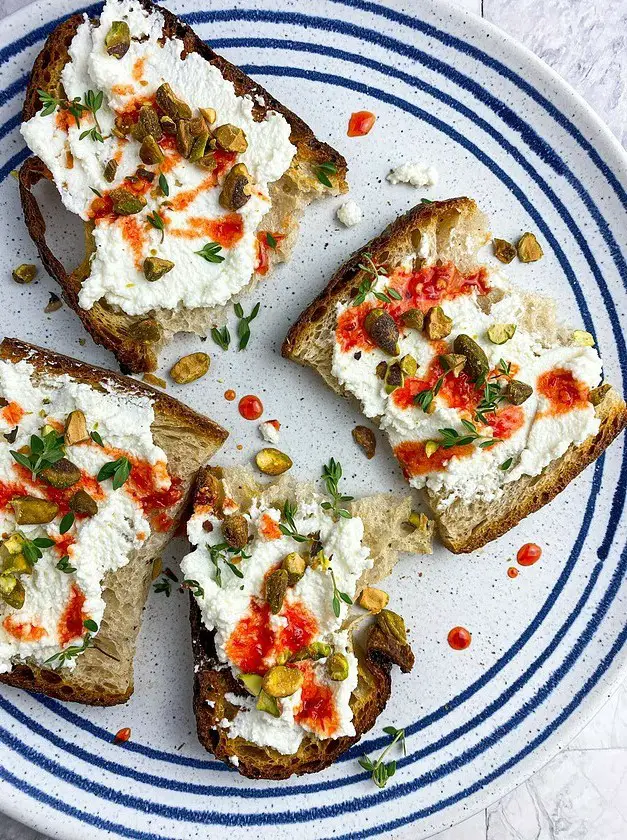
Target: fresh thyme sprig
pixel 331 475
pixel 243 325
pixel 451 437
pixel 31 549
pixel 93 103
pixel 373 272
pixel 380 770
pixel 165 585
pixel 323 171
pixel 119 470
pixel 338 596
pixel 74 650
pixel 271 241
pixel 290 529
pixel 425 398
pixel 157 222
pixel 163 185
pixel 64 565
pixel 222 337
pixel 220 553
pixel 211 252
pixel 492 392
pixel 194 587
pixel 51 103
pixel 44 451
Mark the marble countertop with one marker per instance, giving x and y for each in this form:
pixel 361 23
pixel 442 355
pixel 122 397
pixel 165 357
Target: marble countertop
pixel 582 793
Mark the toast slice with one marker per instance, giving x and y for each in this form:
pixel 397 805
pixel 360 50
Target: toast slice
pixel 103 674
pixel 442 238
pixel 220 697
pixel 136 338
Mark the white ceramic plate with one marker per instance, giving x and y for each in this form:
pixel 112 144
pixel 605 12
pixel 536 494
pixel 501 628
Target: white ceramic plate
pixel 547 647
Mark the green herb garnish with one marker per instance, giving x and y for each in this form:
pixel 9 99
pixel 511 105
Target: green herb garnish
pixel 157 222
pixel 220 553
pixel 331 475
pixel 289 529
pixel 95 436
pixel 64 565
pixel 243 326
pixel 163 585
pixel 66 523
pixel 31 549
pixel 451 437
pixel 119 470
pixel 211 252
pixel 270 241
pixel 44 451
pixel 93 103
pixel 506 464
pixel 222 337
pixel 163 185
pixel 373 272
pixel 323 171
pixel 338 596
pixel 379 769
pixel 74 650
pixel 195 588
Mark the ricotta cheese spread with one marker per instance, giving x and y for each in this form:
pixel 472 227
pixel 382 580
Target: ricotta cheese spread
pixel 181 203
pixel 414 174
pixel 80 522
pixel 254 633
pixel 349 213
pixel 270 431
pixel 460 435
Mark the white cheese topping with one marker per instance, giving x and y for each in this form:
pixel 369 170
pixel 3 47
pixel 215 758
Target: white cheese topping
pixel 415 174
pixel 225 605
pixel 78 165
pixel 269 431
pixel 543 434
pixel 95 545
pixel 349 213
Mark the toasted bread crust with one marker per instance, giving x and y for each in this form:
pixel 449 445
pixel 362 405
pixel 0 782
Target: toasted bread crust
pixel 212 682
pixel 479 523
pixel 107 326
pixel 61 683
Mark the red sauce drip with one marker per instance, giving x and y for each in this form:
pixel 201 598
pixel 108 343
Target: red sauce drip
pixel 301 628
pixel 186 197
pixel 60 496
pixel 71 622
pixel 63 544
pixel 506 421
pixel 162 522
pixel 141 485
pixel 512 572
pixel 459 638
pixel 360 123
pixel 135 235
pixel 564 392
pixel 318 708
pixel 13 413
pixel 122 735
pixel 413 458
pixel 263 250
pixel 350 332
pixel 252 640
pixel 23 630
pixel 250 407
pixel 528 554
pixel 229 395
pixel 459 392
pixel 226 231
pixel 138 68
pixel 101 208
pixel 269 528
pixel 10 491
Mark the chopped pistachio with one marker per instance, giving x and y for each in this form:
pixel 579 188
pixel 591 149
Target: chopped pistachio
pixel 413 318
pixel 150 152
pixel 12 591
pixel 125 202
pixel 189 368
pixel 252 683
pixel 76 428
pixel 30 510
pixel 272 461
pixel 276 587
pixel 235 530
pixel 382 369
pixel 437 325
pixel 118 39
pixel 409 365
pixel 394 378
pixel 528 248
pixel 392 624
pixel 184 138
pixel 373 599
pixel 517 392
pixel 382 330
pixel 282 681
pixel 268 704
pixel 110 170
pixel 62 474
pixel 209 116
pixel 171 104
pixel 82 502
pixel 230 138
pixel 597 395
pixel 337 667
pixel 198 147
pixel 477 364
pixel 417 520
pixel 167 124
pixel 197 126
pixel 431 446
pixel 365 437
pixel 295 566
pixel 500 333
pixel 155 268
pixel 453 363
pixel 54 303
pixel 236 188
pixel 24 273
pixel 583 338
pixel 504 251
pixel 16 564
pixel 314 650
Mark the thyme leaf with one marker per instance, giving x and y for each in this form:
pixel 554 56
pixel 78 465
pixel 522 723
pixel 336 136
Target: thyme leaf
pixel 211 252
pixel 331 475
pixel 380 770
pixel 243 326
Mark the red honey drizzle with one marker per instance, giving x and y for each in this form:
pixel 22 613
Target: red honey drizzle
pixel 413 458
pixel 563 391
pixel 71 622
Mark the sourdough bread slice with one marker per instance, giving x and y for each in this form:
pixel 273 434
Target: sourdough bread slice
pixel 103 675
pixel 454 230
pixel 385 533
pixel 136 347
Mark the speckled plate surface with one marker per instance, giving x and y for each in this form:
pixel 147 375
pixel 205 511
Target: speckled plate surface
pixel 548 646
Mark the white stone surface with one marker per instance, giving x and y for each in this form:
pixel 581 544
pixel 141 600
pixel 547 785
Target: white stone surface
pixel 582 793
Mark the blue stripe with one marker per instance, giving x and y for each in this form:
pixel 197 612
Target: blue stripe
pixel 13 89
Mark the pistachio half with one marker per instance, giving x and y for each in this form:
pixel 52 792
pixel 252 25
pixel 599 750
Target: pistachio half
pixel 276 587
pixel 171 104
pixel 394 378
pixel 125 202
pixel 236 188
pixel 118 39
pixel 30 510
pixel 528 248
pixel 12 591
pixel 295 566
pixel 413 318
pixel 409 365
pixel 24 273
pixel 517 392
pixel 392 624
pixel 208 115
pixel 110 170
pixel 252 683
pixel 184 139
pixel 437 324
pixel 76 428
pixel 373 599
pixel 381 370
pixel 382 330
pixel 150 152
pixel 235 530
pixel 155 268
pixel 337 667
pixel 500 333
pixel 272 461
pixel 365 437
pixel 504 251
pixel 230 138
pixel 82 502
pixel 477 364
pixel 282 681
pixel 198 146
pixel 61 474
pixel 314 650
pixel 268 704
pixel 189 368
pixel 583 338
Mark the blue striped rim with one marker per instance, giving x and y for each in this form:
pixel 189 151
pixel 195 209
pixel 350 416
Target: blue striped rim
pixel 423 115
pixel 607 542
pixel 368 800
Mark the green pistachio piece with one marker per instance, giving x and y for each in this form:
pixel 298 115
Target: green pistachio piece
pixel 12 591
pixel 155 268
pixel 437 325
pixel 147 330
pixel 30 510
pixel 24 273
pixel 118 39
pixel 82 502
pixel 394 378
pixel 413 318
pixel 381 370
pixel 230 138
pixel 198 147
pixel 171 104
pixel 452 363
pixel 282 681
pixel 500 333
pixel 150 152
pixel 126 203
pixel 184 139
pixel 392 624
pixel 61 474
pixel 235 530
pixel 268 704
pixel 504 251
pixel 252 683
pixel 517 392
pixel 337 667
pixel 382 330
pixel 583 338
pixel 477 364
pixel 110 170
pixel 295 566
pixel 236 188
pixel 528 248
pixel 276 587
pixel 409 365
